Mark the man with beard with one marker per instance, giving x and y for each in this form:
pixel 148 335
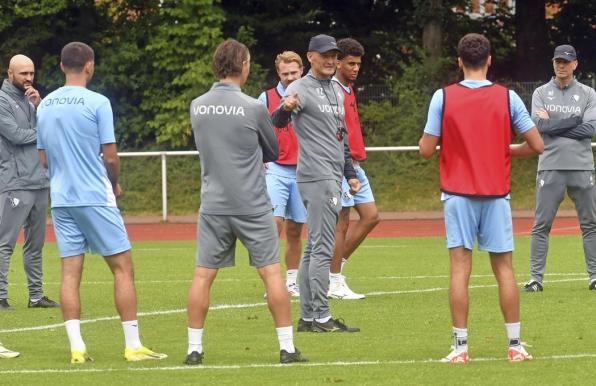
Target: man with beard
pixel 23 182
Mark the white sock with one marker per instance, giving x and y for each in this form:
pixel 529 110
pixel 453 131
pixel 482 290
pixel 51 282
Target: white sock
pixel 460 338
pixel 131 334
pixel 323 320
pixel 291 277
pixel 513 330
pixel 73 330
pixel 334 278
pixel 343 262
pixel 195 340
pixel 286 338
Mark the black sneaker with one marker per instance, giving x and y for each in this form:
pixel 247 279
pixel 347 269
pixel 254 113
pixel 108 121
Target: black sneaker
pixel 291 357
pixel 333 325
pixel 4 306
pixel 592 285
pixel 533 286
pixel 44 302
pixel 194 358
pixel 304 326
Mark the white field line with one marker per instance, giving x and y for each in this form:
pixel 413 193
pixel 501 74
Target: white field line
pixel 437 289
pixel 149 313
pixel 248 305
pixel 174 281
pixel 382 246
pixel 163 249
pixel 277 365
pixel 527 233
pixel 472 276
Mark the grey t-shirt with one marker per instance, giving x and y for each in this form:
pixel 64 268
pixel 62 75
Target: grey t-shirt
pixel 316 120
pixel 234 136
pixel 575 100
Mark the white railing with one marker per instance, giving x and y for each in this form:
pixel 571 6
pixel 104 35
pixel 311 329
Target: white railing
pixel 164 166
pixel 164 169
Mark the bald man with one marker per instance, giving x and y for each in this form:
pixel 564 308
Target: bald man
pixel 24 186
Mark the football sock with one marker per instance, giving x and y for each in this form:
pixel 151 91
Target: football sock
pixel 323 320
pixel 73 330
pixel 131 334
pixel 513 333
pixel 195 340
pixel 334 278
pixel 285 338
pixel 460 339
pixel 291 276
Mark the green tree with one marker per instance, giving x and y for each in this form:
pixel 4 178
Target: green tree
pixel 180 54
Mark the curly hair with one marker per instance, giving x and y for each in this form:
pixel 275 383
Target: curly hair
pixel 474 50
pixel 349 46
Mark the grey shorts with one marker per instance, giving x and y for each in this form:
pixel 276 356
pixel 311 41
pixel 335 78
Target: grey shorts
pixel 217 235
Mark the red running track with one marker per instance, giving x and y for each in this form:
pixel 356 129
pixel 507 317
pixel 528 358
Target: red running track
pixel 386 228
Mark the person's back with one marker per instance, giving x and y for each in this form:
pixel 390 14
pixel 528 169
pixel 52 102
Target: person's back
pixel 226 124
pixel 74 122
pixel 77 144
pixel 234 136
pixel 473 120
pixel 475 157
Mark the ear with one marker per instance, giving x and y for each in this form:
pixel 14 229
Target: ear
pixel 309 56
pixel 460 64
pixel 9 73
pixel 489 60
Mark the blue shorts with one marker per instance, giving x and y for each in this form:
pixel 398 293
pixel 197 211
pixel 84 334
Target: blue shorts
pixel 486 219
pixel 363 196
pixel 285 198
pixel 80 229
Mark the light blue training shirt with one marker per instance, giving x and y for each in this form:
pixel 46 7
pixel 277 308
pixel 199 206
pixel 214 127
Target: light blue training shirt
pixel 73 122
pixel 287 171
pixel 519 114
pixel 520 118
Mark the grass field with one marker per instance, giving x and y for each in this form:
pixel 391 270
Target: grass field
pixel 404 319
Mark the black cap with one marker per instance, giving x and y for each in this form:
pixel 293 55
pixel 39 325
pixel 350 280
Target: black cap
pixel 565 52
pixel 323 43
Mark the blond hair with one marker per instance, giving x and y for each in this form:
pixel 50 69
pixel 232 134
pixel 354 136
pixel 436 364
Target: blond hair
pixel 287 57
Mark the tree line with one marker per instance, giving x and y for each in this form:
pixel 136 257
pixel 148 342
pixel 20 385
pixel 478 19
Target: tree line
pixel 154 56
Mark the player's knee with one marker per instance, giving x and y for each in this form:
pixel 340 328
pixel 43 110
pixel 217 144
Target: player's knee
pixel 371 220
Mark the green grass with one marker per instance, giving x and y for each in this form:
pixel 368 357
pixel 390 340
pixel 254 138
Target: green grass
pixel 400 182
pixel 405 322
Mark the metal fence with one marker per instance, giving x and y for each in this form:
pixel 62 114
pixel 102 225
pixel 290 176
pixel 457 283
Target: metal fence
pixel 366 94
pixel 381 92
pixel 164 166
pixel 165 154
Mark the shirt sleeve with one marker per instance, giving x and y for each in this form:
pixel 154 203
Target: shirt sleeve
pixel 40 144
pixel 590 111
pixel 266 133
pixel 435 114
pixel 11 131
pixel 105 123
pixel 263 98
pixel 519 114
